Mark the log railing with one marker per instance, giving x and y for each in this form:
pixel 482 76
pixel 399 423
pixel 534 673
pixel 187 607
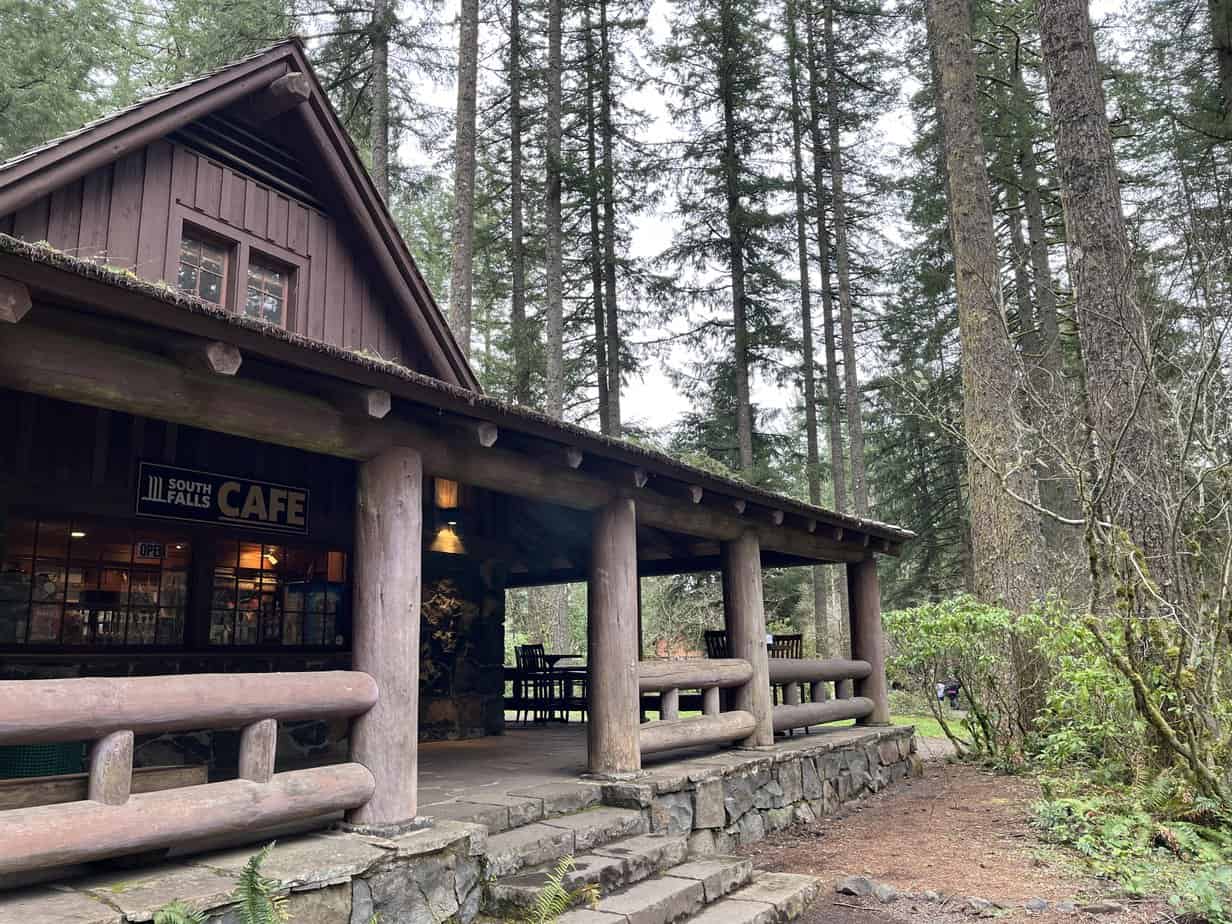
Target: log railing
pixel 110 711
pixel 668 678
pixel 794 673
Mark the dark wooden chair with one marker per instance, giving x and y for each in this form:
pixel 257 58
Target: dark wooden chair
pixel 716 643
pixel 538 693
pixel 787 646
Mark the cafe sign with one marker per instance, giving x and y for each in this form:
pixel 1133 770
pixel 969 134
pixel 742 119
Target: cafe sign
pixel 171 493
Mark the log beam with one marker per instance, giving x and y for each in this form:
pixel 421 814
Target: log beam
pixel 283 95
pixel 212 357
pixel 612 730
pixel 59 364
pixel 745 617
pixel 367 403
pixel 14 300
pixel 868 638
pixel 388 539
pixel 258 749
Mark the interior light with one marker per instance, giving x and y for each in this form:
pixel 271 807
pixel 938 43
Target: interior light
pixel 179 546
pixel 271 558
pixel 446 492
pixel 452 522
pixel 77 534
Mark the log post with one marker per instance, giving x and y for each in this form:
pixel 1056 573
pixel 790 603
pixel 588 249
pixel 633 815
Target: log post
pixel 745 616
pixel 669 704
pixel 258 749
pixel 711 702
pixel 388 561
pixel 111 769
pixel 867 638
pixel 612 732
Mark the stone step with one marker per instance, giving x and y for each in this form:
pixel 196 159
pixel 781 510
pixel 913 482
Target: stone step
pixel 674 896
pixel 548 840
pixel 619 864
pixel 502 811
pixel 770 899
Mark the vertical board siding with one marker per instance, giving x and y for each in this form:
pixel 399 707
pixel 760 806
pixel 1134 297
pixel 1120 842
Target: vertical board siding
pixel 278 211
pixel 127 186
pixel 313 324
pixel 155 212
pixel 125 214
pixel 30 223
pixel 95 212
pixel 64 223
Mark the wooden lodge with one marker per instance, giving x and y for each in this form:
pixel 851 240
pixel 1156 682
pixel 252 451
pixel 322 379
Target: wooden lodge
pixel 250 484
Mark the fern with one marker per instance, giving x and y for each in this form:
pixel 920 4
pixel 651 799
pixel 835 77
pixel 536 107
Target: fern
pixel 178 913
pixel 555 898
pixel 257 895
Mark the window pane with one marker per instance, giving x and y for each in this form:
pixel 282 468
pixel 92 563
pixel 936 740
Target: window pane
pixel 212 258
pixel 190 251
pixel 272 309
pixel 48 582
pixel 170 628
pixel 45 622
pixel 211 287
pixel 52 539
pixel 19 538
pixel 221 627
pixel 187 279
pixel 15 600
pixel 252 304
pixel 76 626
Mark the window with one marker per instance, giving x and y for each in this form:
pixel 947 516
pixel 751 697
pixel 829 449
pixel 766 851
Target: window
pixel 203 267
pixel 277 595
pixel 90 584
pixel 267 292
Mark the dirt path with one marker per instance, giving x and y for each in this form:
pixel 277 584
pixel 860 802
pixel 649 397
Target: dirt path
pixel 959 832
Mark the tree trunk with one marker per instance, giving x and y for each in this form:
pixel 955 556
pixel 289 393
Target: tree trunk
pixel 837 589
pixel 462 269
pixel 1052 398
pixel 851 373
pixel 820 575
pixel 1221 39
pixel 735 247
pixel 1006 538
pixel 555 375
pixel 379 139
pixel 517 255
pixel 608 132
pixel 596 238
pixel 1123 404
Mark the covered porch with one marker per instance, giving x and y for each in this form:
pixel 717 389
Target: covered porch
pixel 496 496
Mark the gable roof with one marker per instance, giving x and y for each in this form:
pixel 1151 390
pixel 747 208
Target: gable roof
pixel 34 173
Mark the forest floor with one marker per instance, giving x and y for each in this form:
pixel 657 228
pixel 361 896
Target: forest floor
pixel 960 832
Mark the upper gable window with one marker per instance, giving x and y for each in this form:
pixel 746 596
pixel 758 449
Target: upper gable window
pixel 203 267
pixel 268 288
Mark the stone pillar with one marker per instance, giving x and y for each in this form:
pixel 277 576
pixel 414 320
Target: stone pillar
pixel 867 638
pixel 387 580
pixel 745 616
pixel 612 730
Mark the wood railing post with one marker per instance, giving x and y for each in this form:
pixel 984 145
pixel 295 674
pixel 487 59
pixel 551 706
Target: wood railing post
pixel 867 637
pixel 111 769
pixel 711 702
pixel 388 563
pixel 258 748
pixel 669 704
pixel 612 735
pixel 745 617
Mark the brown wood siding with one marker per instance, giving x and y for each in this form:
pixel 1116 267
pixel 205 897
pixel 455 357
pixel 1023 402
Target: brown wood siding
pixel 125 215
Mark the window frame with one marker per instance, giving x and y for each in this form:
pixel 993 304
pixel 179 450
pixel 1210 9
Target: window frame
pixel 244 248
pixel 229 250
pixel 257 256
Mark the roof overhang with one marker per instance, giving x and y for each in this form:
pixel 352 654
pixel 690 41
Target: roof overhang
pixel 464 435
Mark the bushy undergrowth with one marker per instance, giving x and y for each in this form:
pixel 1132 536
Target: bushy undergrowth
pixel 1129 815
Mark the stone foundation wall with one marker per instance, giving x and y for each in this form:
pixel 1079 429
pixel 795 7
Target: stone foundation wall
pixel 734 798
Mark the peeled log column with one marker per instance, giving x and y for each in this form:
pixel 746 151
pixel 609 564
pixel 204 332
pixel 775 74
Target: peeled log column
pixel 388 523
pixel 867 638
pixel 745 616
pixel 612 731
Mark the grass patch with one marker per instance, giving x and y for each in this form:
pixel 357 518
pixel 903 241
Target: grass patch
pixel 925 725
